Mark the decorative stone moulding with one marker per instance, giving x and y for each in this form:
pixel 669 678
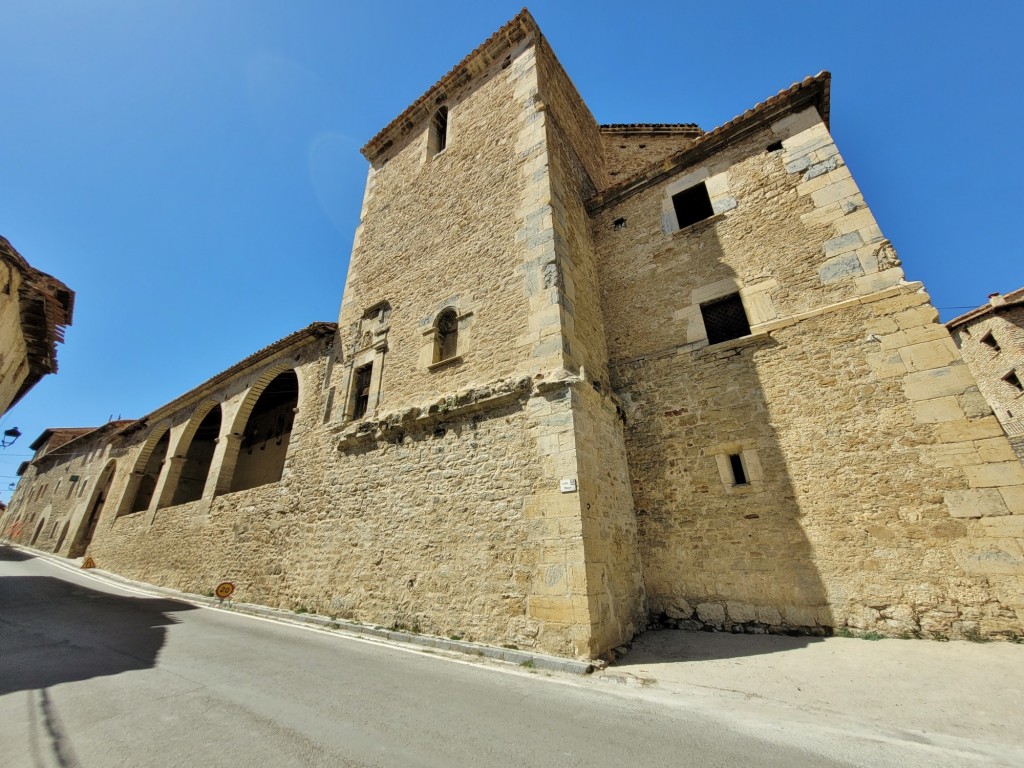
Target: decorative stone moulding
pixel 452 407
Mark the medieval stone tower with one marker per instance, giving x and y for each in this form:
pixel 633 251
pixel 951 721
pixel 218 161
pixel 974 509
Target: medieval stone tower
pixel 585 379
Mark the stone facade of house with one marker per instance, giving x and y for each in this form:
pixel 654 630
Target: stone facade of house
pixel 585 379
pixel 991 341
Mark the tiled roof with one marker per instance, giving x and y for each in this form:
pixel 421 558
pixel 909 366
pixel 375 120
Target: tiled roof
pixel 651 128
pixel 313 330
pixel 78 435
pixel 58 436
pixel 812 91
pixel 460 75
pixel 1011 299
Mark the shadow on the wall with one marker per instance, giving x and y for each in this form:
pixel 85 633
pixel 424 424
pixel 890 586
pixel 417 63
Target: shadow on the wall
pixel 720 528
pixel 53 632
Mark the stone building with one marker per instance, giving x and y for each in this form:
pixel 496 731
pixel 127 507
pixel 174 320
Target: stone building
pixel 991 341
pixel 34 310
pixel 585 379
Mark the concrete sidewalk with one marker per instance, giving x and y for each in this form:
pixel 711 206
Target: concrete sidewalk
pixel 953 695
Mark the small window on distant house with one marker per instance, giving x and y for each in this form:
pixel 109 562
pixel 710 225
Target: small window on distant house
pixel 438 138
pixel 361 391
pixel 692 205
pixel 446 340
pixel 739 476
pixel 1014 381
pixel 725 319
pixel 990 341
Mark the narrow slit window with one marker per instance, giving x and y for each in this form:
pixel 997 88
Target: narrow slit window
pixel 739 476
pixel 1014 380
pixel 361 391
pixel 439 131
pixel 990 341
pixel 725 319
pixel 692 205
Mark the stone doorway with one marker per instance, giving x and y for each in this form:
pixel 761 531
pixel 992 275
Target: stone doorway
pixel 90 520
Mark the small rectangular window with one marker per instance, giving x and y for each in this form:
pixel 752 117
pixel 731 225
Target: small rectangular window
pixel 692 205
pixel 1014 381
pixel 361 391
pixel 725 319
pixel 739 477
pixel 990 341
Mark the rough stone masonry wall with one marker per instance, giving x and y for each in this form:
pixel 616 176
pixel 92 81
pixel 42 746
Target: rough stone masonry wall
pixel 880 496
pixel 989 366
pixel 628 152
pixel 446 230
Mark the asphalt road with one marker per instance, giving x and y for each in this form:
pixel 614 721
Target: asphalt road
pixel 96 675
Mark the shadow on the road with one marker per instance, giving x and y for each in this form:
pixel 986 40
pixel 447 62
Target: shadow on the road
pixel 666 646
pixel 54 631
pixel 12 555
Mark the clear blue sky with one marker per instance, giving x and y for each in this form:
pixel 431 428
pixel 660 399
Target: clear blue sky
pixel 191 169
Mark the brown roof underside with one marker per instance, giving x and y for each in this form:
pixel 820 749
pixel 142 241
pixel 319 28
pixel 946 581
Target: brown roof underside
pixel 46 307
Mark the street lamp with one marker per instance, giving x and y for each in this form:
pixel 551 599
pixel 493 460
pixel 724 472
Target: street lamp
pixel 10 435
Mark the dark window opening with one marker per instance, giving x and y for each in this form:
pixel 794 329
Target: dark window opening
pixel 446 344
pixel 439 131
pixel 267 432
pixel 739 477
pixel 692 205
pixel 1014 380
pixel 990 341
pixel 361 391
pixel 619 224
pixel 725 319
pixel 196 467
pixel 773 147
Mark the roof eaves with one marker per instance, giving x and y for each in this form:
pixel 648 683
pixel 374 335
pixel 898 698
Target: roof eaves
pixel 516 29
pixel 811 91
pixel 311 331
pixel 1011 300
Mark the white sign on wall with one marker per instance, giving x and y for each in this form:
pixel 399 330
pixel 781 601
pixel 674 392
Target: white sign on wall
pixel 567 485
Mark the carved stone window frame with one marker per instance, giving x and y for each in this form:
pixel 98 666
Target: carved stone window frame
pixel 430 346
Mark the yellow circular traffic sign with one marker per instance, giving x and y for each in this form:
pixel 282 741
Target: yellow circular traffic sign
pixel 224 590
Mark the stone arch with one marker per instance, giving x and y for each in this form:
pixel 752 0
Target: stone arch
pixel 39 530
pixel 94 509
pixel 193 457
pixel 273 398
pixel 142 482
pixel 63 535
pixel 446 335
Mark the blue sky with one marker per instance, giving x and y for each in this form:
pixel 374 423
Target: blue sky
pixel 192 170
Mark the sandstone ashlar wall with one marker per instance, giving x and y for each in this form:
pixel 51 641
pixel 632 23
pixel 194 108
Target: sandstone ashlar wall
pixel 992 362
pixel 879 496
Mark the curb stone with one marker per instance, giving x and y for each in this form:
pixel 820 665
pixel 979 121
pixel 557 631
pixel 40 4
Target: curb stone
pixel 512 656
